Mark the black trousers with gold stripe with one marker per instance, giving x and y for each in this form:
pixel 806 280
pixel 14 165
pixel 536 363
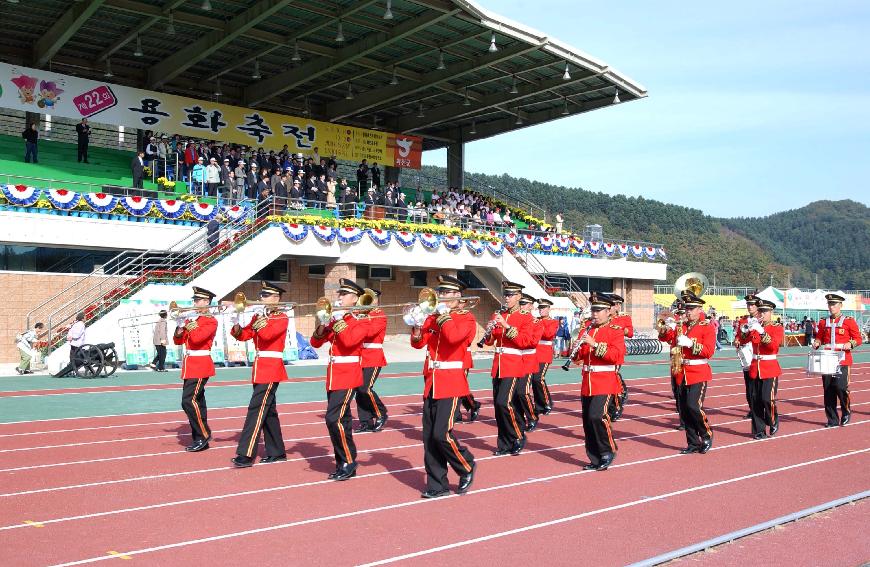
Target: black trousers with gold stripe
pixel 750 387
pixel 596 427
pixel 540 391
pixel 193 404
pixel 262 416
pixel 764 412
pixel 368 404
pixel 510 424
pixel 338 422
pixel 440 446
pixel 836 387
pixel 692 412
pixel 524 402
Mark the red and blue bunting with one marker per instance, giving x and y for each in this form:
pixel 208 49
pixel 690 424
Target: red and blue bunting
pixel 203 212
pixel 663 254
pixel 101 202
pixel 63 199
pixel 235 212
pixel 171 208
pixel 528 241
pixel 21 195
pixel 650 252
pixel 547 242
pixel 295 232
pixel 380 237
pixel 137 206
pixel 578 244
pixel 637 251
pixel 623 250
pixel 510 238
pixel 475 246
pixel 325 233
pixel 430 241
pixel 594 247
pixel 452 242
pixel 349 234
pixel 609 248
pixel 563 243
pixel 405 238
pixel 495 247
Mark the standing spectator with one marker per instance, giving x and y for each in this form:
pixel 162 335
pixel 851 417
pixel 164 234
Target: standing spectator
pixel 241 178
pixel 26 343
pixel 296 195
pixel 160 340
pixel 197 176
pixel 137 166
pixel 559 222
pixel 212 176
pixel 31 136
pixel 83 131
pixel 419 196
pixel 225 171
pixel 252 180
pixel 190 156
pixel 376 174
pixel 213 230
pixel 809 331
pixel 348 200
pixel 76 339
pixel 362 175
pixel 330 192
pixel 151 150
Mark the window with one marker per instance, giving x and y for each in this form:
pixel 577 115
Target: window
pixel 53 260
pixel 274 272
pixel 469 279
pixel 602 285
pixel 380 273
pixel 317 271
pixel 419 278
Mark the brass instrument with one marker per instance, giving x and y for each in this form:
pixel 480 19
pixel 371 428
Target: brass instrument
pixel 697 283
pixel 490 327
pixel 241 303
pixel 173 312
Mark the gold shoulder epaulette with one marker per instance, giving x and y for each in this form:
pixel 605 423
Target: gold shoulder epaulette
pixel 615 326
pixel 460 311
pixel 704 322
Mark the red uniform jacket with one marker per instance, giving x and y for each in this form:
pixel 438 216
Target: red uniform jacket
pixel 269 342
pixel 764 350
pixel 448 338
pixel 740 337
pixel 599 364
pixel 844 329
pixel 549 327
pixel 530 355
pixel 373 347
pixel 508 360
pixel 347 339
pixel 198 341
pixel 704 345
pixel 624 321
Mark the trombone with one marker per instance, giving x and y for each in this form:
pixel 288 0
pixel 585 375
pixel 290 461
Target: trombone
pixel 241 303
pixel 172 312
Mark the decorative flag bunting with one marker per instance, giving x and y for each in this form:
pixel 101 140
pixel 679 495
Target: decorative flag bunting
pixel 510 238
pixel 63 199
pixel 496 248
pixel 202 211
pixel 650 252
pixel 475 246
pixel 295 232
pixel 528 241
pixel 609 248
pixel 579 245
pixel 430 241
pixel 21 195
pixel 350 234
pixel 235 212
pixel 563 243
pixel 406 239
pixel 547 242
pixel 137 206
pixel 623 250
pixel 379 236
pixel 452 242
pixel 594 247
pixel 324 233
pixel 663 254
pixel 101 202
pixel 171 208
pixel 637 251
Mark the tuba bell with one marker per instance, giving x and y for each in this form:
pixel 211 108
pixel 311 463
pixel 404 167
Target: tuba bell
pixel 697 283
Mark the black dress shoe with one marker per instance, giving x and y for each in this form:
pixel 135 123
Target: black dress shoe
pixel 706 445
pixel 345 471
pixel 689 450
pixel 831 424
pixel 362 428
pixel 759 436
pixel 518 447
pixel 434 493
pixel 332 474
pixel 590 467
pixel 605 462
pixel 547 410
pixel 500 452
pixel 241 462
pixel 275 459
pixel 748 415
pixel 475 411
pixel 775 427
pixel 466 480
pixel 532 425
pixel 847 417
pixel 198 446
pixel 379 423
pixel 681 427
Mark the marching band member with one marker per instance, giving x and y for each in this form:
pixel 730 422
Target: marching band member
pixel 269 333
pixel 344 373
pixel 838 333
pixel 447 334
pixel 544 351
pixel 523 397
pixel 197 335
pixel 602 350
pixel 511 333
pixel 697 342
pixel 766 337
pixel 371 411
pixel 668 335
pixel 741 338
pixel 624 321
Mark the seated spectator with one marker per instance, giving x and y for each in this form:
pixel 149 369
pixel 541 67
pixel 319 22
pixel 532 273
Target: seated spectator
pixel 506 219
pixel 496 217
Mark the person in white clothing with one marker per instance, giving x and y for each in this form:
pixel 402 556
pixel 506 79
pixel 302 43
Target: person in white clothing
pixel 26 346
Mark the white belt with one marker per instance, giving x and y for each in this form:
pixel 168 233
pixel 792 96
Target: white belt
pixel 765 357
pixel 545 342
pixel 447 364
pixel 838 346
pixel 601 368
pixel 373 345
pixel 269 354
pixel 694 362
pixel 197 353
pixel 507 350
pixel 529 352
pixel 341 359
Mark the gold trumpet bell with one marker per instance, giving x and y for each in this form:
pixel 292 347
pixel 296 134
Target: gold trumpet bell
pixel 323 308
pixel 427 300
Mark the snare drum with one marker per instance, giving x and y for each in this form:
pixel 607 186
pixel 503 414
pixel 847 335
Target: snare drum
pixel 823 362
pixel 744 354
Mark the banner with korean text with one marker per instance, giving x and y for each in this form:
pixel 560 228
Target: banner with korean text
pixel 34 90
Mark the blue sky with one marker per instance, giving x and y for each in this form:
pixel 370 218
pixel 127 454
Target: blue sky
pixel 753 107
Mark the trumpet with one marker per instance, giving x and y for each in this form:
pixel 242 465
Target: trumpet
pixel 490 327
pixel 744 328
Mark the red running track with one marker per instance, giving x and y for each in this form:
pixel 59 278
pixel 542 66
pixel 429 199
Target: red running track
pixel 522 507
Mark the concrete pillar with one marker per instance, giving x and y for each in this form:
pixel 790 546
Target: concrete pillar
pixel 456 165
pixel 639 303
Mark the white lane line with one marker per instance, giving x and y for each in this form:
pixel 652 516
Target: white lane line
pixel 420 502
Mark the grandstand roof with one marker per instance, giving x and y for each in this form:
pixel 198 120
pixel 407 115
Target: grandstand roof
pixel 477 94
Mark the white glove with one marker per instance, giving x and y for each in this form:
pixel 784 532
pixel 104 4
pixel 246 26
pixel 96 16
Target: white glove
pixel 234 318
pixel 684 341
pixel 756 326
pixel 338 315
pixel 323 317
pixel 441 309
pixel 180 322
pixel 411 317
pixel 671 324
